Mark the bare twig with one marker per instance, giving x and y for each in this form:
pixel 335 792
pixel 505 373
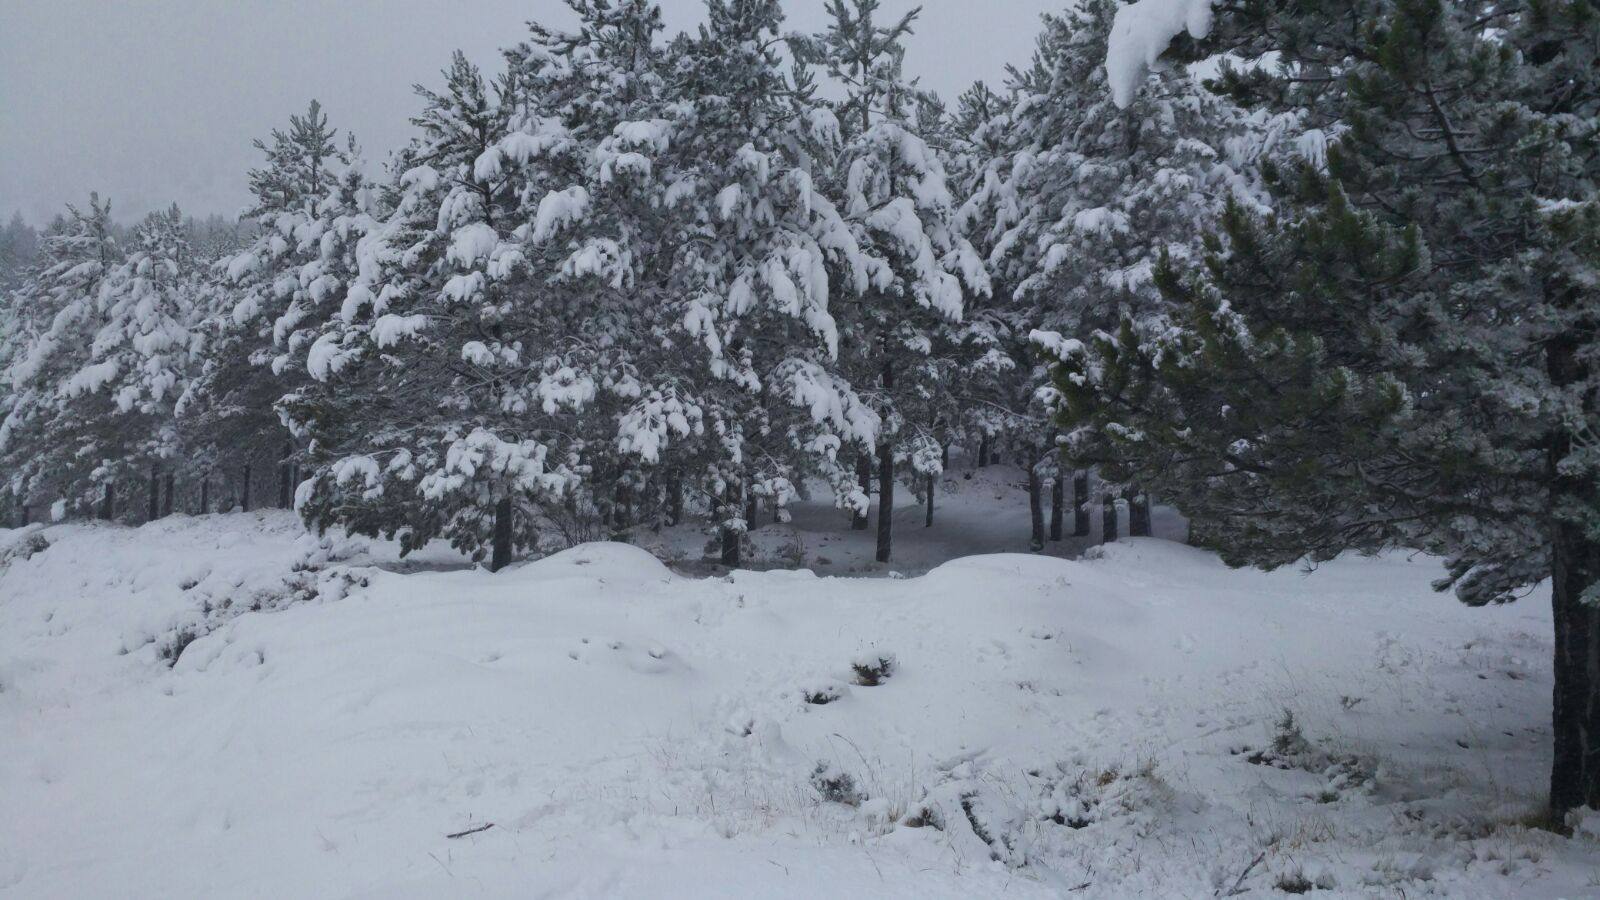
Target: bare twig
pixel 461 834
pixel 1238 882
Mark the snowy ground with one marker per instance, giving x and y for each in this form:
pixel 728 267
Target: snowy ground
pixel 1100 727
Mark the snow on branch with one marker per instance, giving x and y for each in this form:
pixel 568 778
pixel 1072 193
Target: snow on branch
pixel 1140 34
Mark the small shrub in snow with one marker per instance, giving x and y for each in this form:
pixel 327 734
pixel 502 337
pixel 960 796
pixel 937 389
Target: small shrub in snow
pixel 22 546
pixel 1287 738
pixel 1293 883
pixel 923 815
pixel 171 650
pixel 873 669
pixel 996 822
pixel 1290 750
pixel 836 785
pixel 822 693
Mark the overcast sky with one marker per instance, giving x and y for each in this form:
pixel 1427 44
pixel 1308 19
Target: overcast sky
pixel 155 101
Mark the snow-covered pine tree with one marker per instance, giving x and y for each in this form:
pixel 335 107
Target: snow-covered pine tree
pixel 57 448
pixel 439 403
pixel 763 255
pixel 312 205
pixel 19 244
pixel 1402 353
pixel 1083 199
pixel 145 353
pixel 892 190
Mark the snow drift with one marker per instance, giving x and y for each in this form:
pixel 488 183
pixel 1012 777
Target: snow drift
pixel 592 724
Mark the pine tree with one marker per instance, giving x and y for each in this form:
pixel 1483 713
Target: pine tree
pixel 765 256
pixel 414 406
pixel 54 447
pixel 893 191
pixel 271 298
pixel 1082 198
pixel 300 164
pixel 19 244
pixel 1400 353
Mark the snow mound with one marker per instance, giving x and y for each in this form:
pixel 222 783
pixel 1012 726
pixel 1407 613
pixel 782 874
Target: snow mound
pixel 610 559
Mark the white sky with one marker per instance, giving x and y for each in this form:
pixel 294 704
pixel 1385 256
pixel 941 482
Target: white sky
pixel 155 101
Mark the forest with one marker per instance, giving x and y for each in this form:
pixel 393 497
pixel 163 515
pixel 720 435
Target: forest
pixel 1321 276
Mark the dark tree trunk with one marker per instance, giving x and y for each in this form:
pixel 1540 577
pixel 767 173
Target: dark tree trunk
pixel 752 508
pixel 108 502
pixel 674 488
pixel 500 553
pixel 1080 503
pixel 1575 570
pixel 285 473
pixel 1108 519
pixel 1575 769
pixel 154 511
pixel 885 499
pixel 1035 506
pixel 24 513
pixel 944 457
pixel 244 490
pixel 730 536
pixel 983 451
pixel 927 521
pixel 858 522
pixel 167 499
pixel 1139 514
pixel 1058 502
pixel 205 493
pixel 624 515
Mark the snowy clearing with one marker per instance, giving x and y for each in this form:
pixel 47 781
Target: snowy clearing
pixel 1040 727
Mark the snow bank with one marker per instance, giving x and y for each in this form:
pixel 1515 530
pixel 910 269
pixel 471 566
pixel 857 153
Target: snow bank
pixel 1044 727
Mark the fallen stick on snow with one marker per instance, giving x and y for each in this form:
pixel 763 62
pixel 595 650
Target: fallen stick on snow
pixel 460 834
pixel 1237 889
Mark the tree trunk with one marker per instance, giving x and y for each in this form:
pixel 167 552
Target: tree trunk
pixel 752 508
pixel 500 554
pixel 730 536
pixel 1575 768
pixel 1139 514
pixel 166 501
pixel 927 521
pixel 154 511
pixel 885 499
pixel 624 511
pixel 674 497
pixel 24 513
pixel 1035 506
pixel 944 457
pixel 285 472
pixel 1080 503
pixel 205 493
pixel 863 477
pixel 108 502
pixel 244 493
pixel 1575 570
pixel 983 451
pixel 1058 500
pixel 1108 519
